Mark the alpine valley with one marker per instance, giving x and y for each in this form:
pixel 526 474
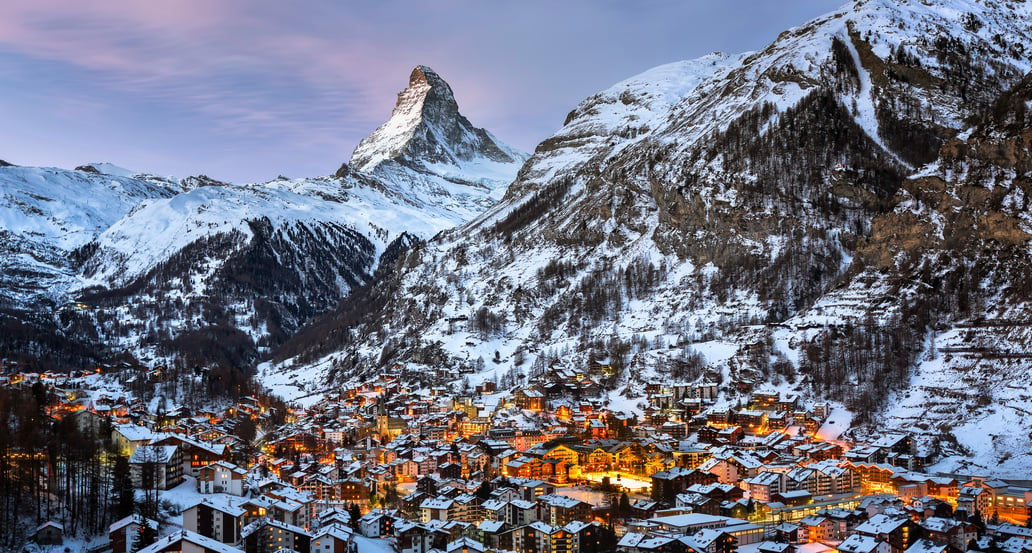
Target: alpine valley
pixel 843 216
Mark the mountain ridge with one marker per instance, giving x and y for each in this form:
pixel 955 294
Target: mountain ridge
pixel 244 265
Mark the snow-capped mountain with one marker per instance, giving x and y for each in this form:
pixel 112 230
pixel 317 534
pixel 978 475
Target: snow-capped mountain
pixel 427 131
pixel 47 214
pixel 231 269
pixel 710 207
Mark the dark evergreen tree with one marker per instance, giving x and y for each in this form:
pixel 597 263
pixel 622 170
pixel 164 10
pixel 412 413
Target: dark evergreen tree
pixel 123 494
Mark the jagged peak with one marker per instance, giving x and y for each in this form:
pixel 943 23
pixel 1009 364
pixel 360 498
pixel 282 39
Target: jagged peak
pixel 426 128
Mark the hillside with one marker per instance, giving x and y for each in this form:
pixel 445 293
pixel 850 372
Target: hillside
pixel 713 207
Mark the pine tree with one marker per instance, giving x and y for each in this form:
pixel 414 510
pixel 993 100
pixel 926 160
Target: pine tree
pixel 123 495
pixel 356 513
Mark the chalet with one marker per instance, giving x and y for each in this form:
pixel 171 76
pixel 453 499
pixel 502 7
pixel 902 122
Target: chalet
pixel 898 532
pixel 189 541
pixel 495 509
pixel 766 485
pixel 532 489
pixel 766 400
pixel 559 510
pixel 128 437
pixel 156 467
pixel 775 547
pixel 529 398
pixel 876 477
pixel 720 417
pixel 924 545
pixel 740 509
pixel 574 537
pixel 48 533
pixel 786 532
pixel 221 477
pixel 865 455
pixel 196 454
pixel 697 503
pixel 464 545
pixel 690 407
pixel 718 491
pixel 817 529
pixel 468 508
pixel 801 478
pixel 378 522
pixel 527 467
pixel 860 543
pixel 413 537
pixel 436 508
pixel 973 499
pixel 493 533
pixel 334 515
pixel 753 421
pixel 125 534
pixel 643 509
pixel 333 538
pixel 716 540
pixel 666 485
pixel 520 512
pixel 731 469
pixel 706 391
pixel 267 536
pixel 291 506
pixel 730 435
pixel 833 477
pixel 949 531
pixel 218 521
pixel 843 521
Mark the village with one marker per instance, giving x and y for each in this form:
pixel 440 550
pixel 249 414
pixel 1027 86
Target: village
pixel 542 468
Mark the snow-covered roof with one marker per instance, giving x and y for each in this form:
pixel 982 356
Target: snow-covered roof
pixel 205 543
pixel 153 454
pixel 923 545
pixel 858 543
pixel 881 524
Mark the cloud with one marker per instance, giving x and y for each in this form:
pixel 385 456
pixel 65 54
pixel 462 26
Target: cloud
pixel 309 79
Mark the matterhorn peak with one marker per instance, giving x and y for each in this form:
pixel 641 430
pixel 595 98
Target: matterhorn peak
pixel 426 129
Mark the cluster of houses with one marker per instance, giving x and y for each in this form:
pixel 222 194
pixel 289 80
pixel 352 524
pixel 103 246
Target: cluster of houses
pixel 484 470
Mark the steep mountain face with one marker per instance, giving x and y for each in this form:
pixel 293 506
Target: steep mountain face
pixel 949 262
pixel 698 208
pixel 210 272
pixel 433 154
pixel 426 130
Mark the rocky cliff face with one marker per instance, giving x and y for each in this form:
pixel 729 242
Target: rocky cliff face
pixel 427 130
pixel 951 259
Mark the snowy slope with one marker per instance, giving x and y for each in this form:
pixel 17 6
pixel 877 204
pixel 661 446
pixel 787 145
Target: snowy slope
pixel 700 203
pixel 955 251
pixel 158 229
pixel 46 213
pixel 226 271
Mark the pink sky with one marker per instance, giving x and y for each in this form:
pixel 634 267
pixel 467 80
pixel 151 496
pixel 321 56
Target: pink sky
pixel 246 90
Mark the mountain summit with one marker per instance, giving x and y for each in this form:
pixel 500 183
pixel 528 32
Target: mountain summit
pixel 427 129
